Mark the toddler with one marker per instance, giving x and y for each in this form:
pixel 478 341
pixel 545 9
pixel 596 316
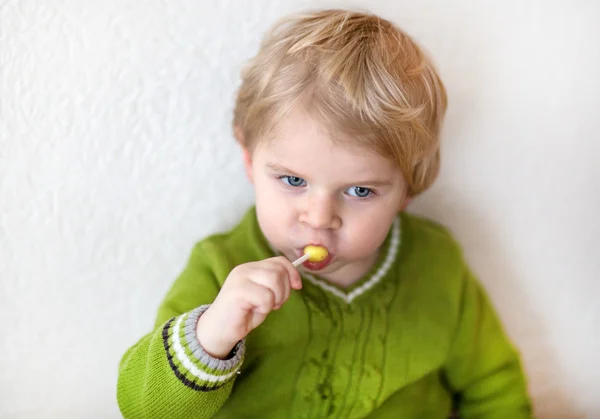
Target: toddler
pixel 338 117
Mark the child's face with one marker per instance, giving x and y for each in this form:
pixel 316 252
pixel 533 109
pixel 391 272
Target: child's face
pixel 310 190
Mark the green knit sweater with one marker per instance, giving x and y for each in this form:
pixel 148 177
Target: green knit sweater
pixel 415 338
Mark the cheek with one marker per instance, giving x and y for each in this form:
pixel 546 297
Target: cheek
pixel 364 237
pixel 272 212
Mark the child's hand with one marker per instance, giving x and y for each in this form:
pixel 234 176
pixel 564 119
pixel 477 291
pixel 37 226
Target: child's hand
pixel 249 294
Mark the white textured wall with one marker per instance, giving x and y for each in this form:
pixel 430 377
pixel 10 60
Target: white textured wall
pixel 116 155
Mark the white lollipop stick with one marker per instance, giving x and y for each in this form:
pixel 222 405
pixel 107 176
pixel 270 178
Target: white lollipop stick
pixel 301 260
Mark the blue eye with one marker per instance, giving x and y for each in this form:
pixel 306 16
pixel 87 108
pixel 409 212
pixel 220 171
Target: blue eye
pixel 359 191
pixel 294 181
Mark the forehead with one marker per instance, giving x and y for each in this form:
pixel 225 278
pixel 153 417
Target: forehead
pixel 301 143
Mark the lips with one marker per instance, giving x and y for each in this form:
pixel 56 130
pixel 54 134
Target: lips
pixel 317 266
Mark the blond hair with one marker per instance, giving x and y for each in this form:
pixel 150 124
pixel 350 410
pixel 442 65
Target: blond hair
pixel 359 75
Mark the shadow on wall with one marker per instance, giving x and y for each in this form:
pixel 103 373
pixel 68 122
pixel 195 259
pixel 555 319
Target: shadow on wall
pixel 517 312
pixel 498 273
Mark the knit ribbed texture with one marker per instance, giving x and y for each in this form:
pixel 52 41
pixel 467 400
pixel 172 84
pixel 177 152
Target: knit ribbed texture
pixel 411 339
pixel 190 363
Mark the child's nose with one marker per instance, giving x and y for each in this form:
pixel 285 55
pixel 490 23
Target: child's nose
pixel 321 213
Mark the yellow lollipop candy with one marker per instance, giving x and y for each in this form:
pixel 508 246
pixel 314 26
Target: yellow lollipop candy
pixel 316 253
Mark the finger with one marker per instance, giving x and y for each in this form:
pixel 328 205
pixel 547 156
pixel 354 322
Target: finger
pixel 284 276
pixel 287 269
pixel 292 272
pixel 287 289
pixel 275 278
pixel 257 298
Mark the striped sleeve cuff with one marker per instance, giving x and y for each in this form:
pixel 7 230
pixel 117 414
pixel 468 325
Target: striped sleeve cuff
pixel 194 367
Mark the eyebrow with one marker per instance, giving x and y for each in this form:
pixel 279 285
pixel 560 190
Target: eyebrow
pixel 369 182
pixel 279 168
pixel 377 183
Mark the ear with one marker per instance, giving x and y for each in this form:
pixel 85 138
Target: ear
pixel 238 133
pixel 247 156
pixel 408 197
pixel 404 204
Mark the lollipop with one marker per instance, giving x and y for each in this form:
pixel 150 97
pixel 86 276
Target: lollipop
pixel 312 254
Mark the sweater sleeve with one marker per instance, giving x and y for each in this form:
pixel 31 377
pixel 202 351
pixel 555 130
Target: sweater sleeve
pixel 167 373
pixel 483 368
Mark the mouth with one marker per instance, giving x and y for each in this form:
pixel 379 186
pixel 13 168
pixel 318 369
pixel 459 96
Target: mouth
pixel 316 266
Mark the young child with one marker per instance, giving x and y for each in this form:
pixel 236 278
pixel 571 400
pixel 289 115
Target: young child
pixel 339 118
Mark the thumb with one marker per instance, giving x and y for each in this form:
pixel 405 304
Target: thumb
pixel 295 279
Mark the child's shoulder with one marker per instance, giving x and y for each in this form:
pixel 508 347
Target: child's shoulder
pixel 428 239
pixel 240 244
pixel 423 228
